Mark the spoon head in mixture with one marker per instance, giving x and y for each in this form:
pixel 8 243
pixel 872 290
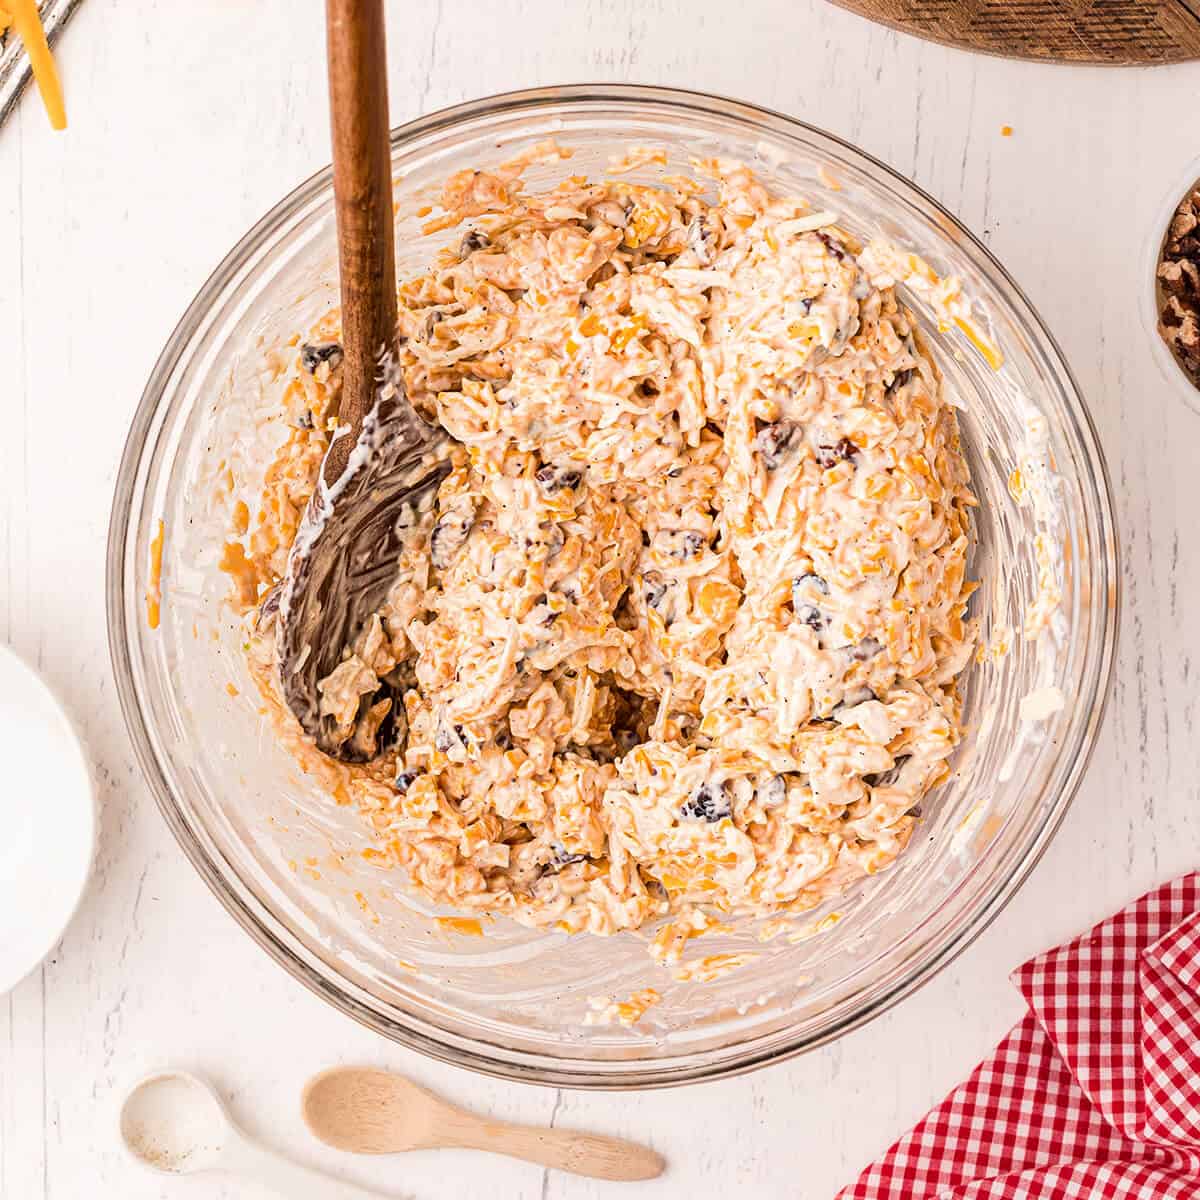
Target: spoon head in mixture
pixel 342 564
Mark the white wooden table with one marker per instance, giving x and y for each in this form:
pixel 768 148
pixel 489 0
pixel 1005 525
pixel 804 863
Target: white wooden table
pixel 188 122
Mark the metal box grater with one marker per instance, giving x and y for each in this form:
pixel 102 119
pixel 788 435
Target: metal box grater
pixel 15 71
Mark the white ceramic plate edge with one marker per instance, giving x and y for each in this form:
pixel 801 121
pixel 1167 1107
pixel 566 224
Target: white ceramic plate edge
pixel 48 811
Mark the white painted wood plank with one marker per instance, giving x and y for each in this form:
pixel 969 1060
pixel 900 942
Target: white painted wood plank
pixel 184 129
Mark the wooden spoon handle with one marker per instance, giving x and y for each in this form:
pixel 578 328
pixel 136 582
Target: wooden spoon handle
pixel 362 190
pixel 580 1153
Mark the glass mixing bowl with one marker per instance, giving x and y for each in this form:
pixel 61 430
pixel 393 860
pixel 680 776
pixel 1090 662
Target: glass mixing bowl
pixel 287 862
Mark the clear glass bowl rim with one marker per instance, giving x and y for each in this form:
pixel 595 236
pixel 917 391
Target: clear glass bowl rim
pixel 275 938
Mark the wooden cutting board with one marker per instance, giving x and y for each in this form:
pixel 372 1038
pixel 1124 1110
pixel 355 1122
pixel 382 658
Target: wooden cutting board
pixel 1113 32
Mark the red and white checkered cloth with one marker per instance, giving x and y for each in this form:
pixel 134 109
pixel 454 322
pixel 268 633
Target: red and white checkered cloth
pixel 1095 1094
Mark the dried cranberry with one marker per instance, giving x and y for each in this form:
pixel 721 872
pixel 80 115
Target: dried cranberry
pixel 473 239
pixel 709 802
pixel 773 793
pixel 887 778
pixel 812 616
pixel 702 240
pixel 555 479
pixel 656 588
pixel 313 354
pixel 680 543
pixel 773 441
pixel 810 580
pixel 869 647
pixel 834 248
pixel 446 739
pixel 448 537
pixel 843 450
pixel 560 857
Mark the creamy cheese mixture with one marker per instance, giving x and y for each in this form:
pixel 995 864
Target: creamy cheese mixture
pixel 681 634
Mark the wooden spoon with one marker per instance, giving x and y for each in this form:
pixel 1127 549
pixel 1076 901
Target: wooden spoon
pixel 366 1111
pixel 383 466
pixel 356 47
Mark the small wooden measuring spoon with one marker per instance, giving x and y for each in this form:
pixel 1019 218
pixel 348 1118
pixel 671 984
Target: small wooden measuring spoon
pixel 384 464
pixel 366 1111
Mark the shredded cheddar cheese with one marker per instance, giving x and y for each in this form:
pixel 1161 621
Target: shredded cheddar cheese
pixel 985 346
pixel 468 926
pixel 712 967
pixel 23 17
pixel 154 588
pixel 622 1012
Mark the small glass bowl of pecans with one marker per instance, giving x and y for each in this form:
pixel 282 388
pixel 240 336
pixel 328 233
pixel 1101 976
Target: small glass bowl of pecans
pixel 1173 292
